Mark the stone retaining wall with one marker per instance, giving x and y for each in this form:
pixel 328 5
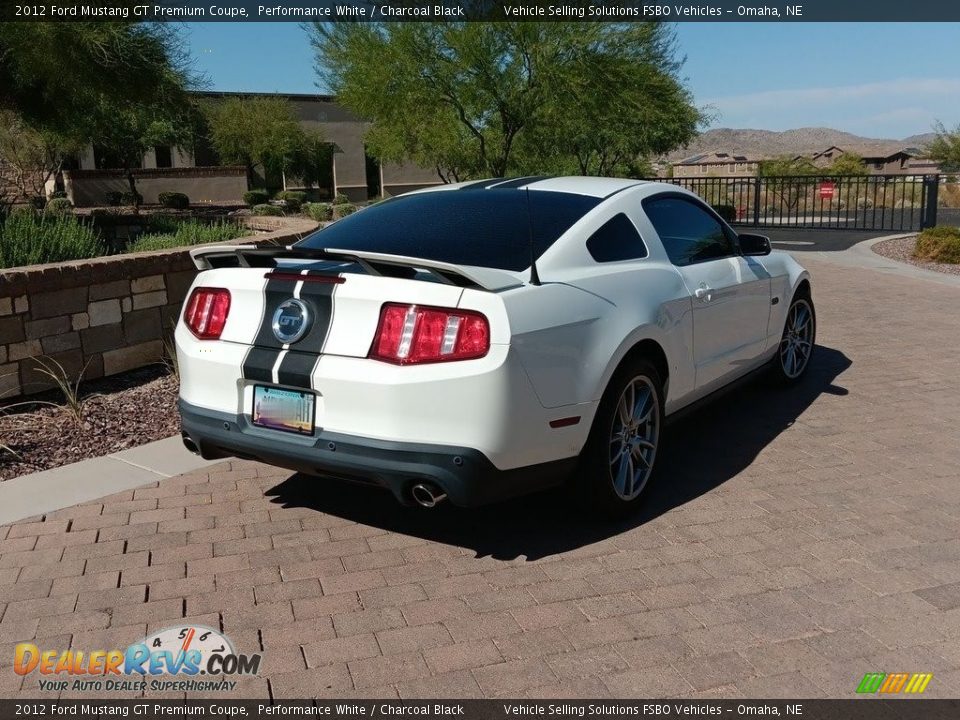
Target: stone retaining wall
pixel 101 316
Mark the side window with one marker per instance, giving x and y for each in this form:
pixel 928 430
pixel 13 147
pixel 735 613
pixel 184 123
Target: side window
pixel 688 232
pixel 616 239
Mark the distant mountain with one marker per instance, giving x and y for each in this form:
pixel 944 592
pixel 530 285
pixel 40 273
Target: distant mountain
pixel 767 143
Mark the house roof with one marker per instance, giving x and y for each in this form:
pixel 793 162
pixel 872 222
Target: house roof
pixel 716 156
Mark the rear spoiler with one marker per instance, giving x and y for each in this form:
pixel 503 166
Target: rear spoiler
pixel 372 263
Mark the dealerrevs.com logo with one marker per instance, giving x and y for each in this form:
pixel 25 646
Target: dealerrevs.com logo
pixel 179 659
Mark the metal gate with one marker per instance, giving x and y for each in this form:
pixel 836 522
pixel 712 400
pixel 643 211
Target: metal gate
pixel 868 202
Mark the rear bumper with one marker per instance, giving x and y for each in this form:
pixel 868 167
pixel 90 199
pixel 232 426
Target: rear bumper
pixel 466 475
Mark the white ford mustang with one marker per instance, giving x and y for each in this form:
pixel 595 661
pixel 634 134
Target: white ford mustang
pixel 482 340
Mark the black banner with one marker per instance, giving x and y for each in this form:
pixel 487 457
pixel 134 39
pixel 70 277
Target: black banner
pixel 864 708
pixel 486 10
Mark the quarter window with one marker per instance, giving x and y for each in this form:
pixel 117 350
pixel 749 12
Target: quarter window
pixel 688 232
pixel 616 239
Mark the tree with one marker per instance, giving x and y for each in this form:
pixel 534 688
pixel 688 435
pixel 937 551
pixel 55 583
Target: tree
pixel 494 98
pixel 260 131
pixel 798 171
pixel 126 133
pixel 28 158
pixel 53 73
pixel 847 164
pixel 945 148
pixel 786 165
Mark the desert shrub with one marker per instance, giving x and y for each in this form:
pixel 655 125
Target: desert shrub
pixel 188 232
pixel 58 205
pixel 31 239
pixel 174 200
pixel 255 197
pixel 113 198
pixel 293 199
pixel 341 199
pixel 727 212
pixel 939 244
pixel 319 211
pixel 266 209
pixel 344 209
pixel 129 198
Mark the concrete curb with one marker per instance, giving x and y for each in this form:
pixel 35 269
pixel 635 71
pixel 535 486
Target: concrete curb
pixel 62 487
pixel 862 255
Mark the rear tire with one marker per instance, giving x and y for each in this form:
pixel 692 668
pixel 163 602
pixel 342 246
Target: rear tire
pixel 792 359
pixel 618 462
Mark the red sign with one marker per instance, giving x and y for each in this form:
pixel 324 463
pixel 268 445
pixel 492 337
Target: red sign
pixel 826 190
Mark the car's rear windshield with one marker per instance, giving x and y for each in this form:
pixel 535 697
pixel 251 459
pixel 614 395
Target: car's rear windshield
pixel 484 228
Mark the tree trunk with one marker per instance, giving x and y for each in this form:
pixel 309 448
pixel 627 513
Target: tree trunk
pixel 132 182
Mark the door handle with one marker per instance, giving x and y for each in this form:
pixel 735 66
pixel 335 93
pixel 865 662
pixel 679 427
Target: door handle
pixel 703 293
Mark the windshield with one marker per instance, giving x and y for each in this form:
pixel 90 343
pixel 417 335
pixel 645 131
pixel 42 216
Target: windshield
pixel 484 228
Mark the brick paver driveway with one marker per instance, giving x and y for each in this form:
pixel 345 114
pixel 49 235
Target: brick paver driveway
pixel 796 540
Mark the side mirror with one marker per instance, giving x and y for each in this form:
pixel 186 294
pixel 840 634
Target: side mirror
pixel 754 244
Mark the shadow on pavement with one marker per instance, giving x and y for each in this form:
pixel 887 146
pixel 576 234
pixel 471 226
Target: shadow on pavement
pixel 702 449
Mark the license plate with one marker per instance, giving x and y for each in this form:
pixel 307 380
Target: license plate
pixel 287 410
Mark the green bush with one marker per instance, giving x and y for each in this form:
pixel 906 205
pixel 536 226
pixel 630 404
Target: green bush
pixel 174 200
pixel 266 209
pixel 31 239
pixel 255 197
pixel 129 198
pixel 37 202
pixel 57 194
pixel 113 198
pixel 341 199
pixel 188 232
pixel 294 199
pixel 321 211
pixel 727 212
pixel 344 209
pixel 939 244
pixel 58 205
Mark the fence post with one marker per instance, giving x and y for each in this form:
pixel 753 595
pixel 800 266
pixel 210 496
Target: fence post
pixel 931 190
pixel 756 201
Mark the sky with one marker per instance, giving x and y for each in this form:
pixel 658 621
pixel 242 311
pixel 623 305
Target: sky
pixel 884 80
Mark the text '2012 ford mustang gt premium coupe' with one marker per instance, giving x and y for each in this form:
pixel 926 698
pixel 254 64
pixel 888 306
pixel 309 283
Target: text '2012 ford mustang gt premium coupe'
pixel 482 340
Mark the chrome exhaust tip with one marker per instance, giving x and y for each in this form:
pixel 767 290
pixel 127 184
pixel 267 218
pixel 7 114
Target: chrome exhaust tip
pixel 427 495
pixel 189 444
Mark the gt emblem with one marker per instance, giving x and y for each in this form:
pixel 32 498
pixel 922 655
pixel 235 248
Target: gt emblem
pixel 291 321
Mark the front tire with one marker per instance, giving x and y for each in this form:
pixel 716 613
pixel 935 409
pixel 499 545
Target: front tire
pixel 618 461
pixel 798 340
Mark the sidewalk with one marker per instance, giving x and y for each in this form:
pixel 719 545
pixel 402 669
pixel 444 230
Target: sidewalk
pixel 43 492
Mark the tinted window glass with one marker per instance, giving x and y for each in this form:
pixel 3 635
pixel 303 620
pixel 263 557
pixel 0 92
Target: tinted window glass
pixel 486 228
pixel 689 233
pixel 616 239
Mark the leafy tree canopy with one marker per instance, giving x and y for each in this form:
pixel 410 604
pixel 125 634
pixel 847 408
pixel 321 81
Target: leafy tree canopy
pixel 53 74
pixel 491 99
pixel 787 165
pixel 847 164
pixel 263 131
pixel 945 148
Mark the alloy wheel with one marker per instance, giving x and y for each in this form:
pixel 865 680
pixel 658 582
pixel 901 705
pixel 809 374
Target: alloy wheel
pixel 797 343
pixel 634 435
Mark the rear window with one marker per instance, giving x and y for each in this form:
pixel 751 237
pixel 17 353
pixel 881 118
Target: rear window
pixel 485 228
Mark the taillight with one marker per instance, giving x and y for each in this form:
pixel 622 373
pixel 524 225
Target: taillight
pixel 206 312
pixel 411 334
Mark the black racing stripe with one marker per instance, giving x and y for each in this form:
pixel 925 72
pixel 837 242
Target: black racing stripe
pixel 520 182
pixel 296 368
pixel 480 184
pixel 258 364
pixel 266 348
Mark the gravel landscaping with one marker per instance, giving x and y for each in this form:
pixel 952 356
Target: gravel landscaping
pixel 901 249
pixel 117 413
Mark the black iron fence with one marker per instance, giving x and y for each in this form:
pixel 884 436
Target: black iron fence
pixel 869 202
